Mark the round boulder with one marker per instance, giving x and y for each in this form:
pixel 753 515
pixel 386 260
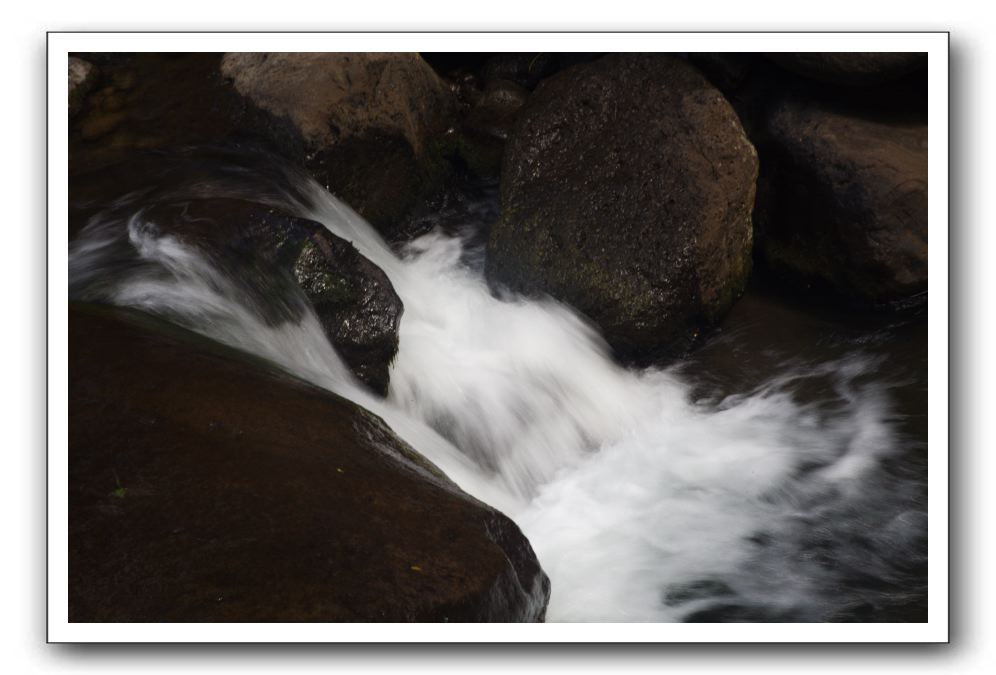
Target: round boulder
pixel 330 97
pixel 366 123
pixel 845 205
pixel 627 191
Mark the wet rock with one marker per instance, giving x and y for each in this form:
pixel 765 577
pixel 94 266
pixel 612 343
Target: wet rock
pixel 267 252
pixel 845 204
pixel 851 68
pixel 349 110
pixel 205 487
pixel 82 76
pixel 155 101
pixel 627 191
pixel 356 303
pixel 481 140
pixel 378 176
pixel 524 68
pixel 497 109
pixel 448 63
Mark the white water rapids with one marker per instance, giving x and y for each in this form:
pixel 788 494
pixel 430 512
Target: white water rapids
pixel 641 504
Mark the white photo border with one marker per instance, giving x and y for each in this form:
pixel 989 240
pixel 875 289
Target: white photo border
pixel 935 44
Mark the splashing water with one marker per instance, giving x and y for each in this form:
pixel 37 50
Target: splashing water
pixel 641 504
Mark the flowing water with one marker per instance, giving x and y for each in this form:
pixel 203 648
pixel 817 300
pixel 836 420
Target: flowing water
pixel 777 474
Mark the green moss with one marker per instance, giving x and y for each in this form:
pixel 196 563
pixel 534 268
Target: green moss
pixel 119 491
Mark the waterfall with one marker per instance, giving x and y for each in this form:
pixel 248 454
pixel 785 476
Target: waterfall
pixel 643 502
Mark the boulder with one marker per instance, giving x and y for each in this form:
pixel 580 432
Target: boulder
pixel 334 96
pixel 82 76
pixel 347 110
pixel 206 487
pixel 496 110
pixel 851 68
pixel 488 125
pixel 627 191
pixel 266 251
pixel 845 202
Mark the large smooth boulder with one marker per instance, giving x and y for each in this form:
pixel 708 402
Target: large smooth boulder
pixel 627 191
pixel 205 486
pixel 350 110
pixel 845 202
pixel 851 68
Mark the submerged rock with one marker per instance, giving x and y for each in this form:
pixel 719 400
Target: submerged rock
pixel 265 250
pixel 627 191
pixel 851 68
pixel 350 110
pixel 82 76
pixel 845 202
pixel 205 486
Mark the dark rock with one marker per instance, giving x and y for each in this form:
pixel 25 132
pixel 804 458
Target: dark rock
pixel 845 203
pixel 448 63
pixel 468 90
pixel 497 109
pixel 266 251
pixel 234 207
pixel 524 68
pixel 204 487
pixel 107 59
pixel 851 68
pixel 627 191
pixel 367 122
pixel 330 97
pixel 151 101
pixel 527 69
pixel 378 176
pixel 728 71
pixel 356 303
pixel 467 200
pixel 480 142
pixel 82 76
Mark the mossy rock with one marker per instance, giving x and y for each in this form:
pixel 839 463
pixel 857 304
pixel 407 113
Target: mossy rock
pixel 627 192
